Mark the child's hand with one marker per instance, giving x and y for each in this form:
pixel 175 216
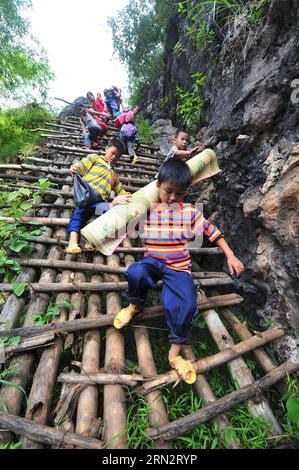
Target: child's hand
pixel 235 266
pixel 121 199
pixel 73 170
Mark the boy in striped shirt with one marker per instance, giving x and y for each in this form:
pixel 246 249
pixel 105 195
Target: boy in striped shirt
pixel 168 228
pixel 98 171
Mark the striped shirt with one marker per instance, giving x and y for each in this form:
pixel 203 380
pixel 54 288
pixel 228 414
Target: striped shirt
pixel 167 232
pixel 100 175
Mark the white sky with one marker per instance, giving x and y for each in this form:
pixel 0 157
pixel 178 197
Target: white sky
pixel 79 45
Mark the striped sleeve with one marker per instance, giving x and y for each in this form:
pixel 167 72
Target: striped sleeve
pixel 201 225
pixel 117 186
pixel 85 164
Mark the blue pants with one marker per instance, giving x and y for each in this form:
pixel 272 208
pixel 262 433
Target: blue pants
pixel 92 135
pixel 81 216
pixel 178 295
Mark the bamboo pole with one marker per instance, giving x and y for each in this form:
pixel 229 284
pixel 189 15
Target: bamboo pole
pixel 14 187
pixel 203 365
pixel 72 265
pixel 158 414
pixel 45 434
pixel 115 409
pixel 65 423
pixel 87 412
pixel 203 390
pixel 261 356
pixel 42 220
pixel 78 302
pixel 148 313
pixel 65 148
pixel 181 426
pixel 30 343
pixel 49 170
pixel 123 249
pixel 93 378
pixel 238 369
pixel 54 180
pixel 65 172
pixel 206 279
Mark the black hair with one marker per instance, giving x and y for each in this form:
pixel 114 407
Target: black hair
pixel 115 142
pixel 176 171
pixel 89 93
pixel 178 131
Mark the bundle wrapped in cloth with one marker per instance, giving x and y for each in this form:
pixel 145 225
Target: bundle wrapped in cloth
pixel 109 230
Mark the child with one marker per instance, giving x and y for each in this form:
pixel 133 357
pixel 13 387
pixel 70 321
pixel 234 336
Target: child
pixel 128 131
pixel 99 173
pixel 113 101
pixel 168 258
pixel 179 149
pixel 93 128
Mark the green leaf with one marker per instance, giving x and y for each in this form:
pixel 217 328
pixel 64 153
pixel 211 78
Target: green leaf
pixel 19 288
pixel 26 205
pixel 17 245
pixel 25 191
pixel 293 409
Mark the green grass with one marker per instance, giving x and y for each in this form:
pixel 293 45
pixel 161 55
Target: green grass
pixel 145 131
pixel 15 135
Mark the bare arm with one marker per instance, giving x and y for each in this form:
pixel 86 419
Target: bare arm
pixel 235 266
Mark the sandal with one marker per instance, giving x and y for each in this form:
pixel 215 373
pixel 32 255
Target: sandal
pixel 125 315
pixel 73 249
pixel 184 368
pixel 135 160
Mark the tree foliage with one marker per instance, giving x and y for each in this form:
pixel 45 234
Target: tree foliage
pixel 138 38
pixel 23 63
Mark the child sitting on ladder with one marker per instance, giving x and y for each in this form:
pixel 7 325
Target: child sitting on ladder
pixel 179 149
pixel 128 131
pixel 169 226
pixel 93 124
pixel 99 173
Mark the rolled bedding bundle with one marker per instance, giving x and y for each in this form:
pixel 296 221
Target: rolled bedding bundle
pixel 109 230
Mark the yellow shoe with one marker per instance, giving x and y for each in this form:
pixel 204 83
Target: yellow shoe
pixel 88 246
pixel 135 160
pixel 125 315
pixel 73 249
pixel 184 368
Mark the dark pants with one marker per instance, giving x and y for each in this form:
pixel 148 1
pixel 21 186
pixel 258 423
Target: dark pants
pixel 81 216
pixel 129 143
pixel 178 295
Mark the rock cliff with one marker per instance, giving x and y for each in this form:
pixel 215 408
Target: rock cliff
pixel 250 118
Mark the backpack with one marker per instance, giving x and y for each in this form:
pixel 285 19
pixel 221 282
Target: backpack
pixel 128 130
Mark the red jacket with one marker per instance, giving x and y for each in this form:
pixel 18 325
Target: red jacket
pixel 98 105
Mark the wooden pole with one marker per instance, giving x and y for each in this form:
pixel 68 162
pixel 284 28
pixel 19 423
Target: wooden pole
pixel 124 249
pixel 181 426
pixel 203 365
pixel 45 434
pixel 92 378
pixel 238 369
pixel 203 390
pixel 87 422
pixel 89 324
pixel 261 356
pixel 115 409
